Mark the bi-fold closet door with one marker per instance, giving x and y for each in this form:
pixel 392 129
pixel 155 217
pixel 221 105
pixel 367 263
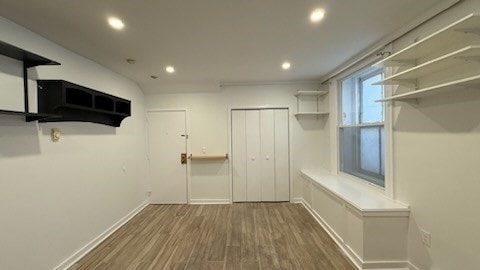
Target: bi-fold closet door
pixel 260 155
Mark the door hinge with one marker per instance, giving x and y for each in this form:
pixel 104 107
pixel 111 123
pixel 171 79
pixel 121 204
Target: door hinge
pixel 185 135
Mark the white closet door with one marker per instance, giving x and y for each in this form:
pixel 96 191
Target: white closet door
pixel 239 156
pixel 267 149
pixel 254 187
pixel 282 162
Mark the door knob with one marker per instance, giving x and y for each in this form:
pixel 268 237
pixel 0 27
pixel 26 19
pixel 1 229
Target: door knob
pixel 267 157
pixel 253 158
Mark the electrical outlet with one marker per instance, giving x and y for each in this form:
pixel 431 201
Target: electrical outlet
pixel 426 238
pixel 204 150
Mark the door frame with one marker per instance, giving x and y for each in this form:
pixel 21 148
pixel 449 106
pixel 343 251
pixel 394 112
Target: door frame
pixel 187 147
pixel 230 134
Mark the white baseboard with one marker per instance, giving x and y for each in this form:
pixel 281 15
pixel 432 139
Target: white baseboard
pixel 350 253
pixel 412 266
pixel 210 201
pixel 297 200
pixel 99 239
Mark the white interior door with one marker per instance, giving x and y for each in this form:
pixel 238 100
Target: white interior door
pixel 167 141
pixel 239 156
pixel 260 155
pixel 267 159
pixel 254 187
pixel 282 156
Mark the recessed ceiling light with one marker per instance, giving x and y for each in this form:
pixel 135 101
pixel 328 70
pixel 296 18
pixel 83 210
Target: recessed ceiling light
pixel 116 23
pixel 170 69
pixel 317 15
pixel 286 65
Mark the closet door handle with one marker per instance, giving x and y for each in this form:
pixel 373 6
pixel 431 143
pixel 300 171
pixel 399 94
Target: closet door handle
pixel 253 158
pixel 267 157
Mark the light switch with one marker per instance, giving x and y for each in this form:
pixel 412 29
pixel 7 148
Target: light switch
pixel 55 134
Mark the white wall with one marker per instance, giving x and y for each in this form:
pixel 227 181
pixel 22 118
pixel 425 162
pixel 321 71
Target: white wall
pixel 208 127
pixel 436 159
pixel 436 145
pixel 56 197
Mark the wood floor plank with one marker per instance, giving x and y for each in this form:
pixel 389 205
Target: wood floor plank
pixel 236 236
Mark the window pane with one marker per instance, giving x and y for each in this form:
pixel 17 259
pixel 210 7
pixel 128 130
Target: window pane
pixel 372 111
pixel 370 149
pixel 361 153
pixel 348 145
pixel 382 150
pixel 349 102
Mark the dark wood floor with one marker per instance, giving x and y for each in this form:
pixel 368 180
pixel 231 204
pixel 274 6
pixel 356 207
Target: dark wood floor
pixel 237 236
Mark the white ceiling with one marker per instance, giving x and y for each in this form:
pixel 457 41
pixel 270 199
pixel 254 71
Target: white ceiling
pixel 216 40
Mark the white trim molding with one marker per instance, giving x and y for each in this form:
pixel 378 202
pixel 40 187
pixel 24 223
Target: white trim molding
pixel 350 253
pixel 210 201
pixel 75 257
pixel 412 266
pixel 297 200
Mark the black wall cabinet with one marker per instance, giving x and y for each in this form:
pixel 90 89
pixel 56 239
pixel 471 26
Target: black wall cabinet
pixel 72 102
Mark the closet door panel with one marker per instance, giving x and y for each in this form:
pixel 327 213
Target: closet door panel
pixel 253 155
pixel 239 157
pixel 267 150
pixel 282 162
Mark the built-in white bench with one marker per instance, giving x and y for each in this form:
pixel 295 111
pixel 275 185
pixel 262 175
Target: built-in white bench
pixel 370 227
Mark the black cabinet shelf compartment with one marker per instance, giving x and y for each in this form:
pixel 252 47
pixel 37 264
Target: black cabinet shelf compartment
pixel 74 102
pixel 29 60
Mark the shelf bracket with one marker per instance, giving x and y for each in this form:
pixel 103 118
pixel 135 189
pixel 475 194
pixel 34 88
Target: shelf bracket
pixel 475 31
pixel 25 86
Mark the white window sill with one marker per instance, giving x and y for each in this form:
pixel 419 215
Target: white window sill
pixel 363 198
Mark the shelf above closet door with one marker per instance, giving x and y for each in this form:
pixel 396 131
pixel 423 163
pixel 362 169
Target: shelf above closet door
pixel 315 93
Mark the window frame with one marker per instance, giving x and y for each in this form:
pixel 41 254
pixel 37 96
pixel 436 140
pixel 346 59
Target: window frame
pixel 363 75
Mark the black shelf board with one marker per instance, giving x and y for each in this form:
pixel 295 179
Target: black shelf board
pixel 30 59
pixel 29 116
pixel 90 109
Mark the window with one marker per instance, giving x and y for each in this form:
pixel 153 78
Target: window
pixel 361 130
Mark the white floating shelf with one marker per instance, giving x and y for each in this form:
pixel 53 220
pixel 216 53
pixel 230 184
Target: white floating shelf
pixel 310 93
pixel 467 25
pixel 467 82
pixel 469 53
pixel 207 157
pixel 311 113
